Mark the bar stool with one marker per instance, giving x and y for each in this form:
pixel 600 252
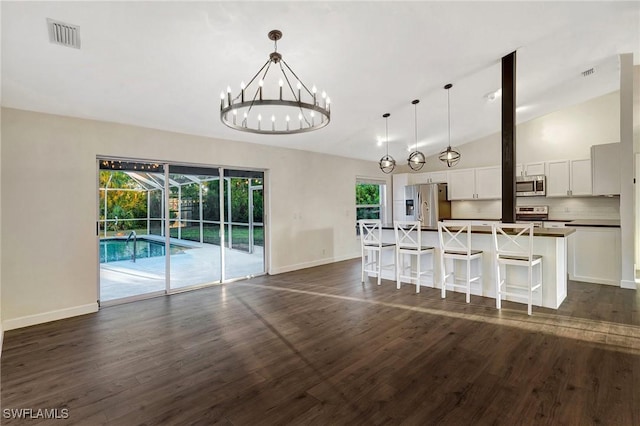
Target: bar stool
pixel 516 249
pixel 408 244
pixel 455 245
pixel 372 246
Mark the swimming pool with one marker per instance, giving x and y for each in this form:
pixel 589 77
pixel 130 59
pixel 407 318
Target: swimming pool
pixel 116 249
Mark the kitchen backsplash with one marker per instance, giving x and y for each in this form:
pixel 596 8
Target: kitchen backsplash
pixel 559 208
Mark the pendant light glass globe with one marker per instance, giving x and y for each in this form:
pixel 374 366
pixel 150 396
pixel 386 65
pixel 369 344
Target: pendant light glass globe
pixel 416 158
pixel 387 163
pixel 449 156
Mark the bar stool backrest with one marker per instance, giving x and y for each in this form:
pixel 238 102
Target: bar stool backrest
pixel 513 239
pixel 371 232
pixel 406 238
pixel 455 236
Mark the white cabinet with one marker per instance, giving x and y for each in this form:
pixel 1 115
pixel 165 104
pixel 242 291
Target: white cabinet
pixel 483 183
pixel 530 169
pixel 429 177
pixel 400 180
pixel 594 255
pixel 566 178
pixel 438 177
pixel 462 184
pixel 581 177
pixel 489 183
pixel 605 169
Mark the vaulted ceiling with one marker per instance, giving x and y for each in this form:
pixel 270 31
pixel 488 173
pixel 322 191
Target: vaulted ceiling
pixel 163 64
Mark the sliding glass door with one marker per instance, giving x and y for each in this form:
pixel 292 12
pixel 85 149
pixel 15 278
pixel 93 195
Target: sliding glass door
pixel 130 225
pixel 166 227
pixel 244 206
pixel 194 211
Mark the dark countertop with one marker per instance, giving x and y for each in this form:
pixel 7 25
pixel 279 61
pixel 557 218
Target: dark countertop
pixel 597 223
pixel 537 232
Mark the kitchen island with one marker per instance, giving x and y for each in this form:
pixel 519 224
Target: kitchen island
pixel 551 243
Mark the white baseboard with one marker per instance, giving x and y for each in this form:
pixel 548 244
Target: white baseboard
pixel 628 284
pixel 311 264
pixel 26 321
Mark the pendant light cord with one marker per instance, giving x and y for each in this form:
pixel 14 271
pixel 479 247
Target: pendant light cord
pixel 415 110
pixel 386 125
pixel 449 116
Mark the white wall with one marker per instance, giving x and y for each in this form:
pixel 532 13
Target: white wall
pixel 48 186
pixel 1 328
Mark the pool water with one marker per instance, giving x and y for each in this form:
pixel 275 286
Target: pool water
pixel 116 249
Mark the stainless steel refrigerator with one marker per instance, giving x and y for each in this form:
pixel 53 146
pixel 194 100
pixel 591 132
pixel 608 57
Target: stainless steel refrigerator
pixel 427 203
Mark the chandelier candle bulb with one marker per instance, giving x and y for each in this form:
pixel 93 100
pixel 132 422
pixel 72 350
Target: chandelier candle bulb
pixel 221 100
pixel 229 94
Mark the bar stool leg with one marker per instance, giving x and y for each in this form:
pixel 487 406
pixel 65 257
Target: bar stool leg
pixel 399 267
pixel 468 279
pixel 498 281
pixel 418 276
pixel 379 266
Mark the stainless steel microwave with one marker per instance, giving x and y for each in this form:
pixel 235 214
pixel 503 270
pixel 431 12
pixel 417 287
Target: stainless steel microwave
pixel 531 186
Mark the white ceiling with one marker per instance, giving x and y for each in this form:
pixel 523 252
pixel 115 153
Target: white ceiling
pixel 163 64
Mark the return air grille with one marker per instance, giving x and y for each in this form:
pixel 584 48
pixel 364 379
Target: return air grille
pixel 588 72
pixel 64 34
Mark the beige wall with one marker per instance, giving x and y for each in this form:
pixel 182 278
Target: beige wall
pixel 49 263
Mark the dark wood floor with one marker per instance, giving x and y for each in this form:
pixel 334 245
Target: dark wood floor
pixel 318 347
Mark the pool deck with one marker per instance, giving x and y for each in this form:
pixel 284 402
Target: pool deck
pixel 200 265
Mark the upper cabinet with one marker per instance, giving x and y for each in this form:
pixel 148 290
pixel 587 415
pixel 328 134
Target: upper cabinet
pixel 429 177
pixel 605 169
pixel 483 183
pixel 567 178
pixel 530 169
pixel 400 180
pixel 462 184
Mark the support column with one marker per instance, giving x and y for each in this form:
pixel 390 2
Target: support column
pixel 627 214
pixel 509 138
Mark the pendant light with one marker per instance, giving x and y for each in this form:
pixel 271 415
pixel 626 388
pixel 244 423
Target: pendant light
pixel 416 159
pixel 449 156
pixel 387 163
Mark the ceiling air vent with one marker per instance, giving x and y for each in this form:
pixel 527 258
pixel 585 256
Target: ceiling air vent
pixel 588 72
pixel 64 34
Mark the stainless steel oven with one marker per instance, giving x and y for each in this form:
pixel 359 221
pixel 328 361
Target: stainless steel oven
pixel 535 214
pixel 531 186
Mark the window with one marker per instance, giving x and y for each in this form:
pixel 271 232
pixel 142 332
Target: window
pixel 370 199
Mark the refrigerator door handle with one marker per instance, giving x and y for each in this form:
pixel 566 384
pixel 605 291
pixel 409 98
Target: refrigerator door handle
pixel 419 205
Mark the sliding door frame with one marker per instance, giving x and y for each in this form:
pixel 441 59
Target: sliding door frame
pixel 167 227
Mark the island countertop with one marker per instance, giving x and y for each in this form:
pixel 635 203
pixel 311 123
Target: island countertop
pixel 537 232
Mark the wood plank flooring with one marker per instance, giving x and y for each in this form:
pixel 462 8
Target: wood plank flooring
pixel 318 347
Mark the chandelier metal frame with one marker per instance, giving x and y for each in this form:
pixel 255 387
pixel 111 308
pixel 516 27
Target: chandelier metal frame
pixel 307 122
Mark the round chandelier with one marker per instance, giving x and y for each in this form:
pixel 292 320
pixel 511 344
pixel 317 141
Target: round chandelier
pixel 387 163
pixel 449 156
pixel 274 107
pixel 416 158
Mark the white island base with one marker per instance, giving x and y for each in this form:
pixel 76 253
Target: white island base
pixel 551 244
